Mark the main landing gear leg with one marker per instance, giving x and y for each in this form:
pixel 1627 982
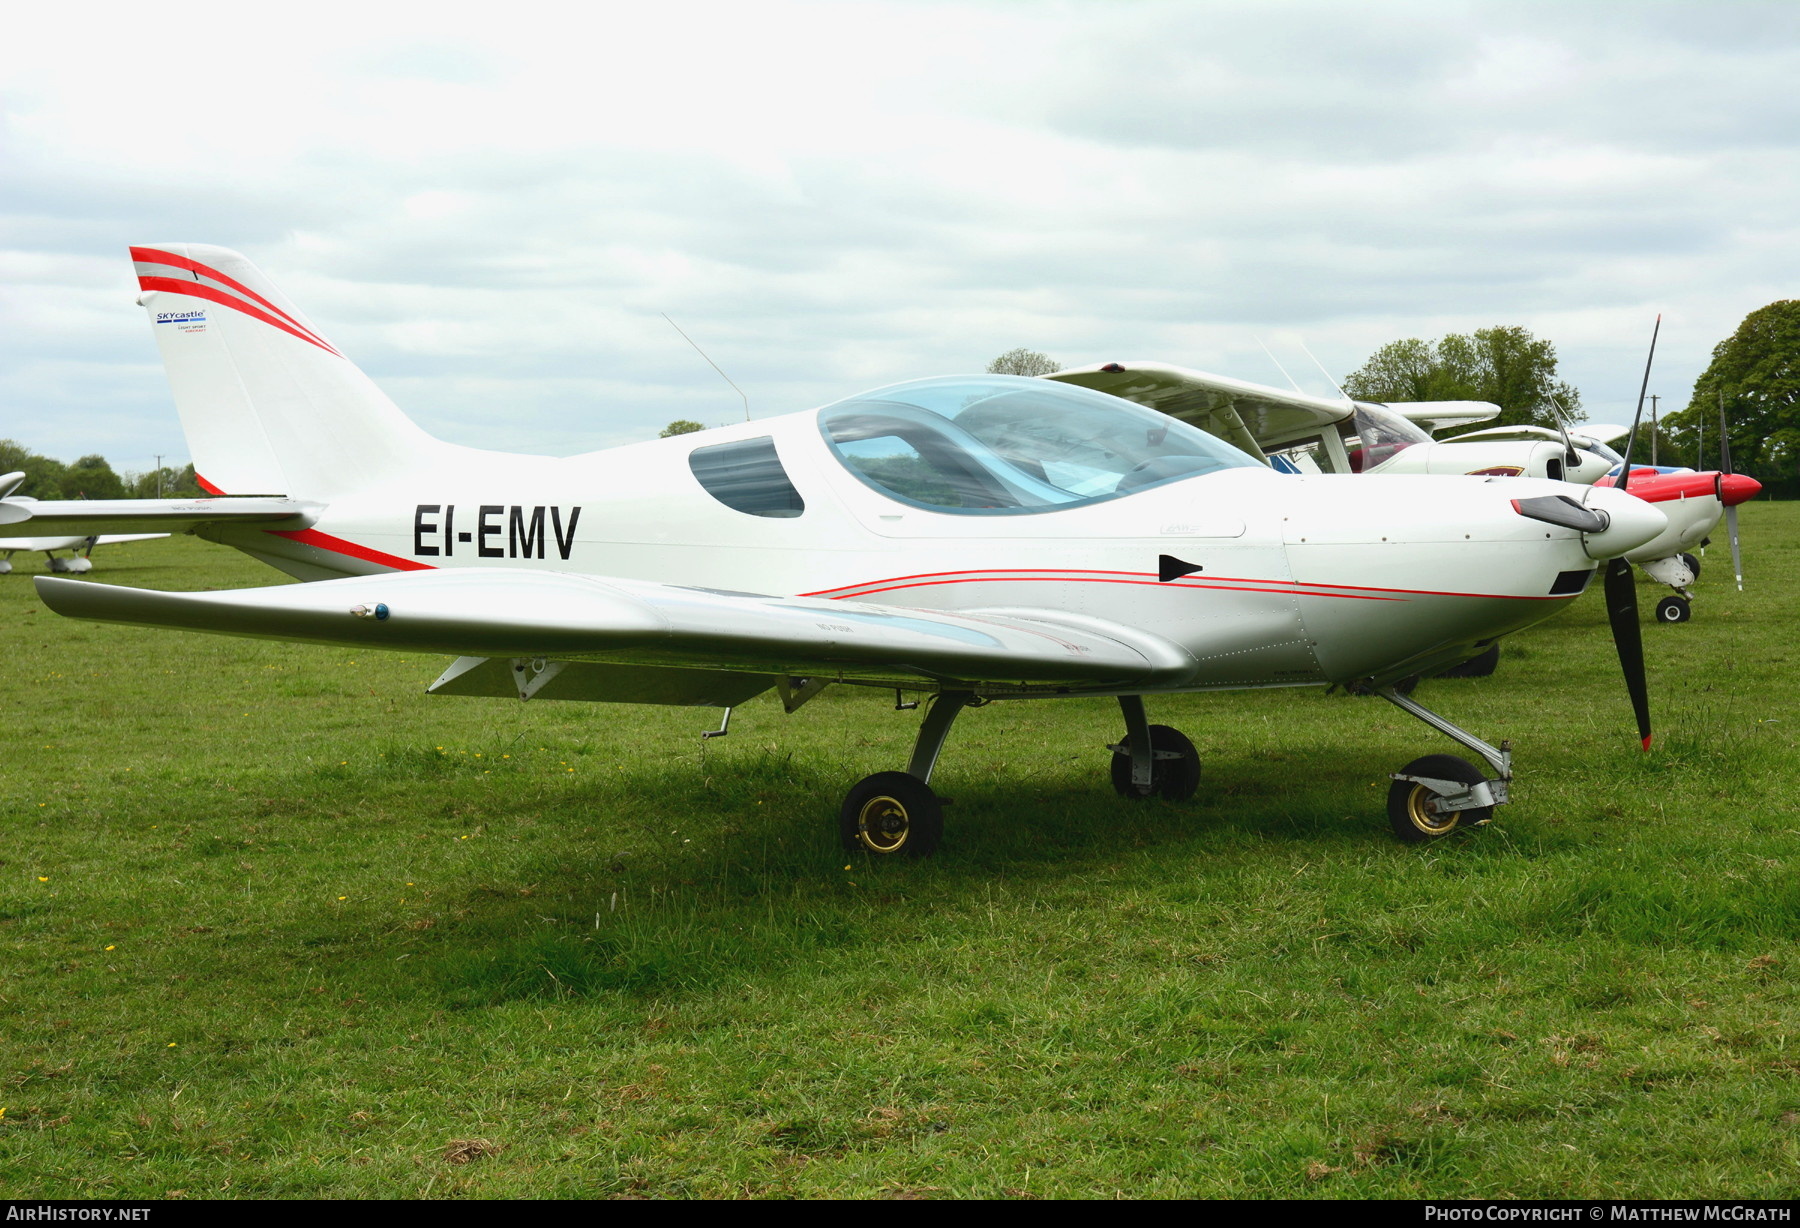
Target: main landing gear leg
pixel 1434 796
pixel 893 813
pixel 1153 760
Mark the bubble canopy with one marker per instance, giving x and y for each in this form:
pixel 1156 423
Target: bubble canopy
pixel 1007 445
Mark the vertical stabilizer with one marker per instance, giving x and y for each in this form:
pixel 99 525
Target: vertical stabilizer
pixel 269 406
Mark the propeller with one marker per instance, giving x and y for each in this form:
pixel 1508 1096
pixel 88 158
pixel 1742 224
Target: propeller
pixel 1731 528
pixel 1621 585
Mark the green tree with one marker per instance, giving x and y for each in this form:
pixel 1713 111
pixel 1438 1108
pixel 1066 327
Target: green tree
pixel 1505 365
pixel 1022 361
pixel 1756 371
pixel 167 482
pixel 681 426
pixel 43 476
pixel 92 478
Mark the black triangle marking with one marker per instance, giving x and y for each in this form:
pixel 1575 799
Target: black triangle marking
pixel 1171 568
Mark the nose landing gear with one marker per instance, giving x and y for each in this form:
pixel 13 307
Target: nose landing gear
pixel 1438 794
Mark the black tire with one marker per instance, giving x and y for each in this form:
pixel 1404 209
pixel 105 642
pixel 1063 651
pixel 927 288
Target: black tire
pixel 1693 564
pixel 1475 667
pixel 1674 610
pixel 1173 780
pixel 891 814
pixel 1410 808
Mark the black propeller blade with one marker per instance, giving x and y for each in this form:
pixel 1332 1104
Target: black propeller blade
pixel 1621 586
pixel 1628 638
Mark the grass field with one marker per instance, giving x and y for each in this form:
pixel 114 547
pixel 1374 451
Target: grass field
pixel 274 923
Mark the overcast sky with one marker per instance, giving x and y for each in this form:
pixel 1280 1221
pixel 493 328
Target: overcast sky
pixel 488 206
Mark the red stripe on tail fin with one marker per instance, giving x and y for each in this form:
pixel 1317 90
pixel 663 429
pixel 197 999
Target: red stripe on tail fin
pixel 202 290
pixel 153 255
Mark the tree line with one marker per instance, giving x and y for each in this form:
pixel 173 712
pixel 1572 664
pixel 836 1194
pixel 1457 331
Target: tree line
pixel 91 477
pixel 1754 374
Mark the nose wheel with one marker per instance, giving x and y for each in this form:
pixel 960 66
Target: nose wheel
pixel 1420 799
pixel 1673 610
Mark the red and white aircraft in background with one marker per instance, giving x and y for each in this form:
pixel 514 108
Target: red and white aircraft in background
pixel 969 538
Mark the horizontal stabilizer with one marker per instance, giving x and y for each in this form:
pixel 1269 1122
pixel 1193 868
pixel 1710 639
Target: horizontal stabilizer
pixel 87 517
pixel 493 612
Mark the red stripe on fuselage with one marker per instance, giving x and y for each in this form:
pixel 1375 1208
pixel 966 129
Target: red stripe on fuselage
pixel 338 545
pixel 151 255
pixel 1297 588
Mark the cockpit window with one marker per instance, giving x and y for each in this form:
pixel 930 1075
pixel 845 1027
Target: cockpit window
pixel 1374 433
pixel 1005 444
pixel 747 476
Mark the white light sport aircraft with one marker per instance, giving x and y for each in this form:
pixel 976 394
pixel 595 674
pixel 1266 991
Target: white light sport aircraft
pixel 80 549
pixel 971 538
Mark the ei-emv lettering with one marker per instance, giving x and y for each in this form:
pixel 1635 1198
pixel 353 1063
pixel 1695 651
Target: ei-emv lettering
pixel 501 530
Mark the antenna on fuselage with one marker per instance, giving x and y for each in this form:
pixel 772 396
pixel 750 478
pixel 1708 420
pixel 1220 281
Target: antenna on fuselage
pixel 709 362
pixel 1292 383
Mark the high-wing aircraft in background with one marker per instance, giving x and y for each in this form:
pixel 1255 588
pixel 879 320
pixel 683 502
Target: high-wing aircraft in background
pixel 970 538
pixel 78 549
pixel 1306 434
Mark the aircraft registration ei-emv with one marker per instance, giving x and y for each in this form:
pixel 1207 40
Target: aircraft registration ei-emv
pixel 965 538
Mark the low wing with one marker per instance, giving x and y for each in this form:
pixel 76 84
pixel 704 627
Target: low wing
pixel 143 517
pixel 496 613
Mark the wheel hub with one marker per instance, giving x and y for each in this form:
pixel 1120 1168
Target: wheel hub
pixel 1422 809
pixel 883 825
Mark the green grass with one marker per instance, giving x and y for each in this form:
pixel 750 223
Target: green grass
pixel 274 923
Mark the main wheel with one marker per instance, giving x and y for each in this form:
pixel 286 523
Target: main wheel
pixel 1673 610
pixel 1412 808
pixel 1173 779
pixel 1693 564
pixel 892 813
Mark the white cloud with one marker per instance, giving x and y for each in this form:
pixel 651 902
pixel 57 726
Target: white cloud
pixel 490 206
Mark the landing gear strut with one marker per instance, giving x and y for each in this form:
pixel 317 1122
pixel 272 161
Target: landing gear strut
pixel 896 813
pixel 1438 794
pixel 1152 760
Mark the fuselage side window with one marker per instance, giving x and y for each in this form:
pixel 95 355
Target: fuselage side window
pixel 747 477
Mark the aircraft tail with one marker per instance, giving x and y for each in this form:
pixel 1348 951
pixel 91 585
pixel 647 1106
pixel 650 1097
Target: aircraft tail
pixel 269 406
